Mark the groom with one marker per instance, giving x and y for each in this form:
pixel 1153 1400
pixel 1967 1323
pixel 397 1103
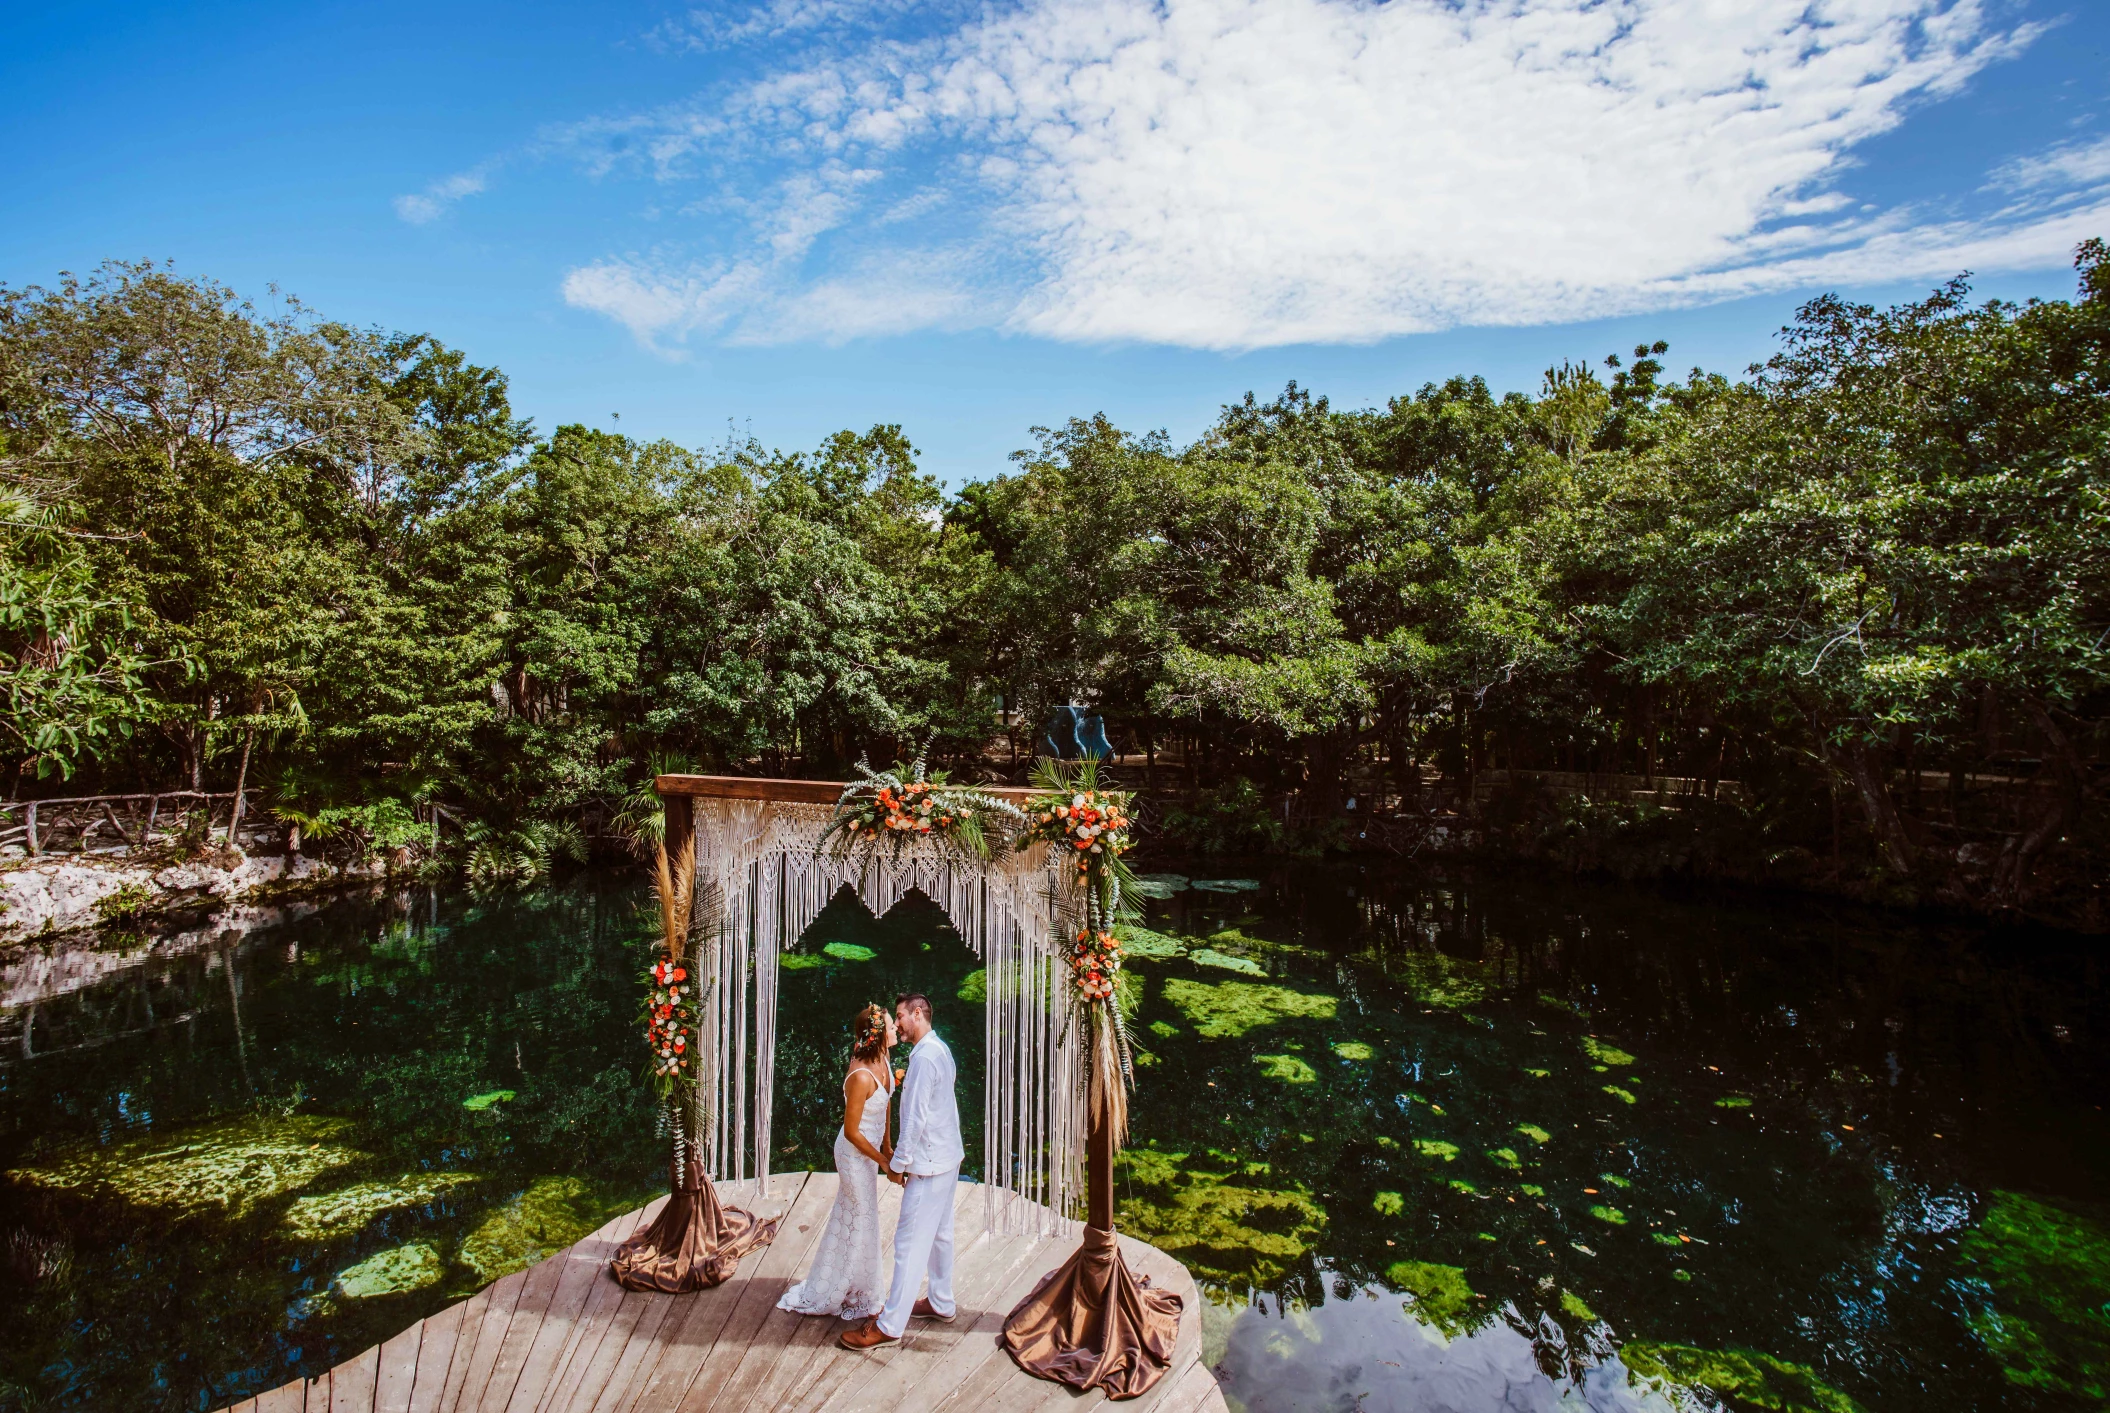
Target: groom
pixel 927 1162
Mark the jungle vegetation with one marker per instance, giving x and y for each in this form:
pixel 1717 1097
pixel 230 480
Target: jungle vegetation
pixel 1861 579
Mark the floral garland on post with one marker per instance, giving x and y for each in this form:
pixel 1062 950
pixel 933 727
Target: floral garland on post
pixel 1093 828
pixel 889 810
pixel 672 1016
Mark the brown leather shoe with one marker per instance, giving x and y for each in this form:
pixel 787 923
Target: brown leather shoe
pixel 865 1336
pixel 923 1310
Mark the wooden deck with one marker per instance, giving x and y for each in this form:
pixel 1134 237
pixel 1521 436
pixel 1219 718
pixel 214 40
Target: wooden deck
pixel 563 1337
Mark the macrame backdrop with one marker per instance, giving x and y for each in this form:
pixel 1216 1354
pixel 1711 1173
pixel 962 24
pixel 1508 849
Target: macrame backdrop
pixel 760 855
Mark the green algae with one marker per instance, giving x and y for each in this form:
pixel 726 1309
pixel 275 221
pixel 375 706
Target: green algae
pixel 1222 1229
pixel 800 961
pixel 1228 1009
pixel 1436 1148
pixel 1538 1074
pixel 1505 1158
pixel 326 1216
pixel 1440 1295
pixel 1621 1095
pixel 2048 1322
pixel 1574 1305
pixel 1160 885
pixel 849 952
pixel 477 1103
pixel 1531 1189
pixel 1746 1378
pixel 1732 1101
pixel 1164 1030
pixel 1226 885
pixel 1664 1238
pixel 1434 979
pixel 1461 1185
pixel 1141 942
pixel 227 1166
pixel 1353 1050
pixel 1613 1179
pixel 974 987
pixel 1609 1214
pixel 1605 1054
pixel 551 1215
pixel 1388 1204
pixel 1287 1068
pixel 1534 1133
pixel 1224 961
pixel 393 1272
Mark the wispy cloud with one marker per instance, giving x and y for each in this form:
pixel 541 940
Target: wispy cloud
pixel 435 200
pixel 1238 173
pixel 2069 165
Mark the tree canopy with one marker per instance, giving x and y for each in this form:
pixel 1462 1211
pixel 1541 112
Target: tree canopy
pixel 1881 557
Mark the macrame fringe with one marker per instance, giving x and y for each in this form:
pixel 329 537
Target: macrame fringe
pixel 758 855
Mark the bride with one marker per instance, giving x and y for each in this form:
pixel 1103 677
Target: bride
pixel 844 1278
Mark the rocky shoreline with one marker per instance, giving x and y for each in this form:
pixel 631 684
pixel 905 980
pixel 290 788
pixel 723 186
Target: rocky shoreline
pixel 54 895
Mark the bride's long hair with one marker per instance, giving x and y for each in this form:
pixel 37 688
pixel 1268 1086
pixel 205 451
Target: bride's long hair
pixel 870 1042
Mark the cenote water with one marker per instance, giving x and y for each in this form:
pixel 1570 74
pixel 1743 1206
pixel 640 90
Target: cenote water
pixel 1427 1142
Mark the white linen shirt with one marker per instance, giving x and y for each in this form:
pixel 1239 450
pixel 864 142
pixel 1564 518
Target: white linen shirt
pixel 930 1119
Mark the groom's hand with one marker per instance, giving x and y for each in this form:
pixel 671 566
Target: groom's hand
pixel 899 1179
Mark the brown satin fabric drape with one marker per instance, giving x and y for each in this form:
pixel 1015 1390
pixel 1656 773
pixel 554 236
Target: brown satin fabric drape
pixel 1091 1324
pixel 693 1242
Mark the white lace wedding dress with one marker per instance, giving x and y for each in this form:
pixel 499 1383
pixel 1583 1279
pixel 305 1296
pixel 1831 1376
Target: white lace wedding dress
pixel 844 1277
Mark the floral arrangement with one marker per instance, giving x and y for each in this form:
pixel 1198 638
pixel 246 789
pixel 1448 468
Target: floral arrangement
pixel 892 809
pixel 1092 828
pixel 671 1026
pixel 1095 964
pixel 1090 825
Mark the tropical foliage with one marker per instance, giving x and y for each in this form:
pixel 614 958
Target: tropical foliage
pixel 1864 580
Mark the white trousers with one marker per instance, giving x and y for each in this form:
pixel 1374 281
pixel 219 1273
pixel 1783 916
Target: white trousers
pixel 922 1243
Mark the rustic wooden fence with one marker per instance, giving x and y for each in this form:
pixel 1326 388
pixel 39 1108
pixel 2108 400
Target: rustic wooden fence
pixel 44 826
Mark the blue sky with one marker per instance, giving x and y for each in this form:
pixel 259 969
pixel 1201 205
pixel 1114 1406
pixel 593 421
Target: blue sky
pixel 807 214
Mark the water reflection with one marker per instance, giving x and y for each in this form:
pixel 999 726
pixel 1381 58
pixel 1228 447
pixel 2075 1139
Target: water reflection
pixel 1428 1142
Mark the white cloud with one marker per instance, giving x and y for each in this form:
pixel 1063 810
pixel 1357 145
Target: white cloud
pixel 1238 173
pixel 2071 164
pixel 433 202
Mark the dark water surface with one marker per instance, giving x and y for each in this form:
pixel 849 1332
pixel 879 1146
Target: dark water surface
pixel 1427 1142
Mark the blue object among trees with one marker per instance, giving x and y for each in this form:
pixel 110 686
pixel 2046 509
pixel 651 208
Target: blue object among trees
pixel 1072 735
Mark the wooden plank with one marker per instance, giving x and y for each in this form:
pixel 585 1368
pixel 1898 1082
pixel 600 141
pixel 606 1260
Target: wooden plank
pixel 735 1373
pixel 543 1278
pixel 925 1342
pixel 286 1398
pixel 923 1366
pixel 316 1392
pixel 435 1353
pixel 482 1343
pixel 399 1371
pixel 633 1358
pixel 457 1375
pixel 352 1383
pixel 797 792
pixel 994 1378
pixel 591 1321
pixel 1189 1393
pixel 766 1330
pixel 1017 1264
pixel 829 1353
pixel 718 1331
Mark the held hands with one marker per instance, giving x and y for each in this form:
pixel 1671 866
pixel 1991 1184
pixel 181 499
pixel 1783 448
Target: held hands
pixel 898 1179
